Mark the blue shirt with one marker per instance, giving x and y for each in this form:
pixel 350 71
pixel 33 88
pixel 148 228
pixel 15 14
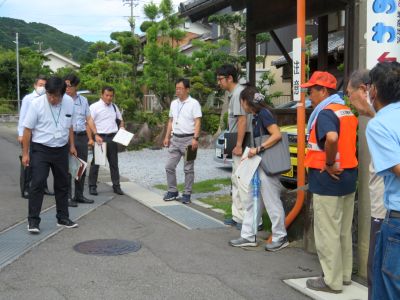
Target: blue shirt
pixel 50 124
pixel 26 101
pixel 261 122
pixel 383 137
pixel 323 183
pixel 82 111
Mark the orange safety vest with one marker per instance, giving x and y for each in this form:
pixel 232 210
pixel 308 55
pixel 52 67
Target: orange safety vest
pixel 346 156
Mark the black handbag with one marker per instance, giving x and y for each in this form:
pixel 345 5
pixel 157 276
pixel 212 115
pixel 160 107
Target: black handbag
pixel 230 139
pixel 276 159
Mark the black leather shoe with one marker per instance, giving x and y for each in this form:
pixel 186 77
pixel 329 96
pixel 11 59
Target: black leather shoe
pixel 93 190
pixel 117 190
pixel 83 199
pixel 47 192
pixel 72 203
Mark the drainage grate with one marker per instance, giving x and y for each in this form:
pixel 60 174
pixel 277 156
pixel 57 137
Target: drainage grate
pixel 188 217
pixel 110 247
pixel 16 240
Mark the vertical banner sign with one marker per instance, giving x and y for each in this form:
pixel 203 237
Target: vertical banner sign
pixel 383 31
pixel 297 68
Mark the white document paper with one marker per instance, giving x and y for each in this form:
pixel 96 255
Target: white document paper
pixel 123 137
pixel 247 167
pixel 100 154
pixel 76 166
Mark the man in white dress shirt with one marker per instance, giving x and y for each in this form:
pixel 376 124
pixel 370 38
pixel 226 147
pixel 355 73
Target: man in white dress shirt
pixel 48 132
pixel 184 126
pixel 39 90
pixel 105 115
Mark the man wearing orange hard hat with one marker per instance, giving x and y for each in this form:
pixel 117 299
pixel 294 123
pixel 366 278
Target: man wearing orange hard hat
pixel 332 174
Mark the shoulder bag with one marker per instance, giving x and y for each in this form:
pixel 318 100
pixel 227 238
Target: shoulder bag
pixel 276 159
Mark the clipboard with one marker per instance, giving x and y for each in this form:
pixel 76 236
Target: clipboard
pixel 190 154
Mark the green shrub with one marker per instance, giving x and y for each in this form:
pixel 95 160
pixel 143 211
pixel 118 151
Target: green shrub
pixel 210 123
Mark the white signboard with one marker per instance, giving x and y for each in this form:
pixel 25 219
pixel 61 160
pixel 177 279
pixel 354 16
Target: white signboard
pixel 383 31
pixel 297 69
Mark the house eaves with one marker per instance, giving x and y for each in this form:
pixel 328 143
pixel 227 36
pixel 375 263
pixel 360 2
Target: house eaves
pixel 335 44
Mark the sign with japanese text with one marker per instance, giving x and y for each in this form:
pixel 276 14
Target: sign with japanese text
pixel 296 69
pixel 383 31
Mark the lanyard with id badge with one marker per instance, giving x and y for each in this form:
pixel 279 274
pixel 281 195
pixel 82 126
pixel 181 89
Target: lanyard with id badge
pixel 57 133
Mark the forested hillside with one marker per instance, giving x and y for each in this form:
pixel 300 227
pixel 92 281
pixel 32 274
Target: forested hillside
pixel 66 44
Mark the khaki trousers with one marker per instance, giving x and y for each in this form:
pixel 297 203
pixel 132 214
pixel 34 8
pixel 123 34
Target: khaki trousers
pixel 333 217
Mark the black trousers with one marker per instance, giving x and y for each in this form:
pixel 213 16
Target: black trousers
pixel 42 159
pixel 112 157
pixel 81 145
pixel 25 177
pixel 375 228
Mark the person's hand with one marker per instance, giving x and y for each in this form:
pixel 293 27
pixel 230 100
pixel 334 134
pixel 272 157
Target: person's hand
pixel 20 139
pixel 99 140
pixel 195 144
pixel 238 151
pixel 25 160
pixel 252 152
pixel 166 142
pixel 72 150
pixel 332 171
pixel 91 143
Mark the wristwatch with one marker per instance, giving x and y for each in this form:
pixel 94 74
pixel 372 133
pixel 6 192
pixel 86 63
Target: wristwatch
pixel 196 138
pixel 330 164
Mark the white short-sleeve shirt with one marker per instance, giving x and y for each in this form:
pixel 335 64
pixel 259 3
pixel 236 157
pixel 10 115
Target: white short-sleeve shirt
pixel 104 116
pixel 26 101
pixel 50 124
pixel 184 114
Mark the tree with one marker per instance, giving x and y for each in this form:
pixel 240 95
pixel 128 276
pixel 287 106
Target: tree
pixel 109 70
pixel 267 79
pixel 31 65
pixel 163 61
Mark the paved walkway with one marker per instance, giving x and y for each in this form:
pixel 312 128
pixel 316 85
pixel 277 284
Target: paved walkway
pixel 173 262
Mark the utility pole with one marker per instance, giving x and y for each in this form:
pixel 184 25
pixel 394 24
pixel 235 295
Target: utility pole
pixel 39 45
pixel 17 52
pixel 131 20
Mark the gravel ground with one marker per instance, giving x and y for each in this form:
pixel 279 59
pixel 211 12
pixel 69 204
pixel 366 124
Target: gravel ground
pixel 147 167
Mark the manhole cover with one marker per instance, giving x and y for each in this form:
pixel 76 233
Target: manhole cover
pixel 108 247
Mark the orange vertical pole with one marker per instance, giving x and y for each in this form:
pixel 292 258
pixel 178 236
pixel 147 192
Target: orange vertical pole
pixel 301 119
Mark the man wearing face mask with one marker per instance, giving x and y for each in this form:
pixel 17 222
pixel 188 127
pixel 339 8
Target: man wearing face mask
pixel 357 91
pixel 38 91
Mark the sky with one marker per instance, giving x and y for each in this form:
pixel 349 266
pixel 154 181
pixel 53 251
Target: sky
pixel 92 20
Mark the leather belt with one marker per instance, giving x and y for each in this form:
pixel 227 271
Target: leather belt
pixel 107 134
pixel 183 135
pixel 394 214
pixel 79 133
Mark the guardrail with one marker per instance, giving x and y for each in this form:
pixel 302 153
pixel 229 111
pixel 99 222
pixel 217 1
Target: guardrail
pixel 8 107
pixel 281 99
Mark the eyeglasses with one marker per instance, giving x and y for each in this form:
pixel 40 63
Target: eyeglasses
pixel 69 85
pixel 220 78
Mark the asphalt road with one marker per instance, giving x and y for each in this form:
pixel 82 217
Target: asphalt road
pixel 173 263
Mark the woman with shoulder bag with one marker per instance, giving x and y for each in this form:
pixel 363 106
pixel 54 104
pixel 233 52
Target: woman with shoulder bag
pixel 270 186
